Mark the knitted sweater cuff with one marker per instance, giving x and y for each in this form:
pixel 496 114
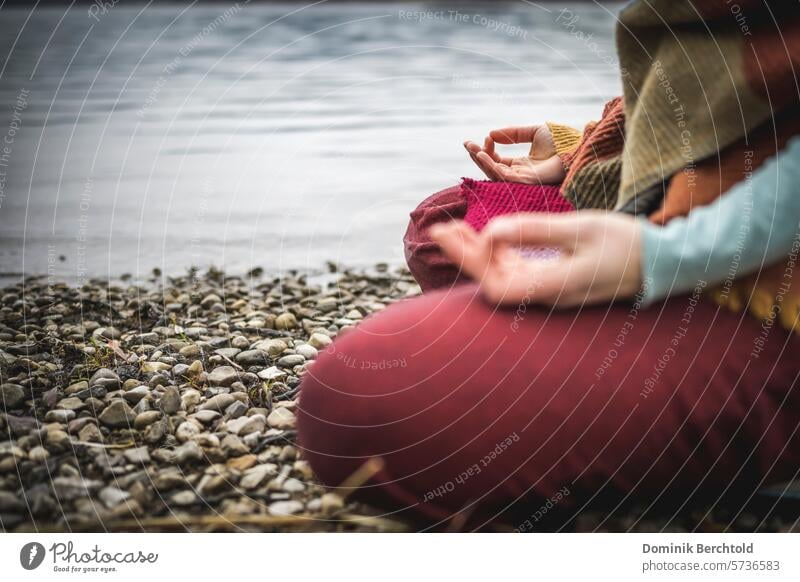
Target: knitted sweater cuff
pixel 565 138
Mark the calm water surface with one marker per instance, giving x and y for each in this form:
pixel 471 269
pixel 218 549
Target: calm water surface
pixel 273 135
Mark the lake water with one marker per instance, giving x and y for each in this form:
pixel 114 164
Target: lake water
pixel 272 135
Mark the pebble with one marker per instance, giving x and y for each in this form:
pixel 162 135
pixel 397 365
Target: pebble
pixel 207 416
pixel 330 503
pixel 38 454
pixel 307 351
pixel 255 476
pixel 285 321
pixel 183 498
pixel 105 378
pixel 188 452
pixel 223 376
pixel 319 340
pixel 252 358
pixel 62 416
pixel 293 486
pixel 134 395
pixel 187 431
pixel 273 347
pixel 137 456
pixel 170 401
pixel 247 424
pixel 233 446
pixel 282 419
pixel 90 434
pixel 155 367
pixel 112 496
pixel 273 373
pixel 117 415
pixel 285 507
pixel 242 463
pixel 227 352
pixel 291 360
pixel 72 403
pixel 145 419
pixel 11 396
pixel 218 403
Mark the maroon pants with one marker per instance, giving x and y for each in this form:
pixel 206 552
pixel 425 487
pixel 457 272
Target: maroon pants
pixel 507 413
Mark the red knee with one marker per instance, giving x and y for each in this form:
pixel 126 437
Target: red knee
pixel 430 267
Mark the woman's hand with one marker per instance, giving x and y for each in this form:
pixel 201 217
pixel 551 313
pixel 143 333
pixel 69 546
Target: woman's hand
pixel 540 166
pixel 599 257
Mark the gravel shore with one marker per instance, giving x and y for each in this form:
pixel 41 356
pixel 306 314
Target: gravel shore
pixel 169 406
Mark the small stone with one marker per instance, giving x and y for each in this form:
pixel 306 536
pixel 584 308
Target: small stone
pixel 207 416
pixel 285 321
pixel 190 399
pixel 179 370
pixel 170 401
pixel 328 304
pixel 282 419
pixel 187 431
pixel 111 496
pixel 20 425
pixel 105 378
pixel 252 358
pixel 90 434
pixel 72 403
pixel 223 376
pixel 11 396
pixel 137 456
pixel 247 424
pixel 293 486
pixel 156 432
pixel 218 403
pixel 273 347
pixel 154 367
pixel 77 387
pixel 195 369
pixel 256 476
pixel 242 463
pixel 10 502
pixel 210 300
pixel 145 419
pixel 58 440
pixel 273 373
pixel 169 478
pixel 236 409
pixel 330 503
pixel 233 446
pixel 319 340
pixel 69 488
pixel 136 394
pixel 307 351
pixel 228 353
pixel 190 352
pixel 183 498
pixel 62 416
pixel 117 415
pixel 38 454
pixel 291 360
pixel 285 507
pixel 188 452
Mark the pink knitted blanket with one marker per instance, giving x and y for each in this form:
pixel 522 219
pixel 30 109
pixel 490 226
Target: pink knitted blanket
pixel 485 200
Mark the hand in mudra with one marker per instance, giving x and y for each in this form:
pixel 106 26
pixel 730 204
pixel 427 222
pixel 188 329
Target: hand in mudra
pixel 540 166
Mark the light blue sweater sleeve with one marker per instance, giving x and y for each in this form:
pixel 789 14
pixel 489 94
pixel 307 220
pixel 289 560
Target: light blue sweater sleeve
pixel 755 223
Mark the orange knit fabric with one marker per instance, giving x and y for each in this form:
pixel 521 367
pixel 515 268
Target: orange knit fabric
pixel 593 167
